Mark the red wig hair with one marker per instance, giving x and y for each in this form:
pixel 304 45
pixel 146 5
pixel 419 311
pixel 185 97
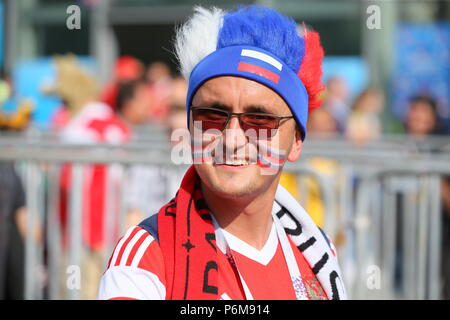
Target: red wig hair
pixel 310 71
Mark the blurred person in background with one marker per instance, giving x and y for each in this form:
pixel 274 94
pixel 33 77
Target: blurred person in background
pixel 176 121
pixel 13 213
pixel 90 122
pixel 445 190
pixel 421 122
pixel 177 97
pixel 145 191
pixel 148 186
pixel 126 69
pixel 5 87
pixel 364 123
pixel 133 103
pixel 159 78
pixel 15 112
pixel 323 124
pixel 176 117
pixel 422 118
pixel 337 100
pixel 159 75
pixel 12 233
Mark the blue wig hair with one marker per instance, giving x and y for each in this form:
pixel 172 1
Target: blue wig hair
pixel 264 28
pixel 212 44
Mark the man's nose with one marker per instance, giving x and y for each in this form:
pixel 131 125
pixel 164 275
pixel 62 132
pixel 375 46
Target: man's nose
pixel 234 134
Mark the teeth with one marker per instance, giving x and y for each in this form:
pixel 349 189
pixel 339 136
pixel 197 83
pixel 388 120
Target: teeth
pixel 236 162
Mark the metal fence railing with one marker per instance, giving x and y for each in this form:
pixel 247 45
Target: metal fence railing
pixel 382 205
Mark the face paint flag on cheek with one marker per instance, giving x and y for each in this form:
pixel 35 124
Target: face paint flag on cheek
pixel 205 144
pixel 208 147
pixel 201 152
pixel 270 159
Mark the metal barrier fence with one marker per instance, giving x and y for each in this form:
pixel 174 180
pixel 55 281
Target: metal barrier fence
pixel 382 203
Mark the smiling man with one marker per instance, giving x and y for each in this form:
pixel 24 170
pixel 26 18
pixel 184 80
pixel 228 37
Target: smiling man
pixel 231 231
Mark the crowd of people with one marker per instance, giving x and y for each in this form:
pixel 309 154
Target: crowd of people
pixel 137 96
pixel 365 117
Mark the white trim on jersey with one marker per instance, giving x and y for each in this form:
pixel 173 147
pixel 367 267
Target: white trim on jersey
pixel 119 246
pixel 130 246
pixel 263 256
pixel 131 283
pixel 140 252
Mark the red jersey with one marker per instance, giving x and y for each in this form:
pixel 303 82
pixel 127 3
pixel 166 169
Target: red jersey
pixel 95 123
pixel 136 270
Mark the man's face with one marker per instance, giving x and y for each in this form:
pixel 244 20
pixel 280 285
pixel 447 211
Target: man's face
pixel 322 123
pixel 420 119
pixel 137 109
pixel 232 179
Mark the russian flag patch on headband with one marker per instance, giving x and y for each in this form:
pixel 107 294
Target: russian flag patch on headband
pixel 261 64
pixel 257 65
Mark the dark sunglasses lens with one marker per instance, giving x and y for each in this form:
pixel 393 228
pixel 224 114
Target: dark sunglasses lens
pixel 209 118
pixel 260 123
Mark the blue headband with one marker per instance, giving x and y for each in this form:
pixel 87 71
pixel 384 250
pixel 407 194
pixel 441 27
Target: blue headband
pixel 254 64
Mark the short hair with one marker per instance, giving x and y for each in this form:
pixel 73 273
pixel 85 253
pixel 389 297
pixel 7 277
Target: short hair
pixel 427 100
pixel 126 92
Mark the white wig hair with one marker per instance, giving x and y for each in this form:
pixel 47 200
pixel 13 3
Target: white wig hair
pixel 197 38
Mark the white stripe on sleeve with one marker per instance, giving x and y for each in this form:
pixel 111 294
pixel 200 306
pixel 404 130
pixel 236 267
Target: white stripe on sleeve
pixel 119 246
pixel 130 246
pixel 138 256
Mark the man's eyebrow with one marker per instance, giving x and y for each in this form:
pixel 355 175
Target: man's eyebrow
pixel 249 108
pixel 216 104
pixel 257 108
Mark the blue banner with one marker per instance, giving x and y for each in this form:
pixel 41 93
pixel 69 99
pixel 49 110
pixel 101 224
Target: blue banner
pixel 422 65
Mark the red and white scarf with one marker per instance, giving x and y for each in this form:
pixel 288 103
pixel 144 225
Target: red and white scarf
pixel 188 243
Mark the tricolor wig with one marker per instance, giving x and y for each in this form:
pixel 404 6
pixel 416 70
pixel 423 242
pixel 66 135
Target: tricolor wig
pixel 267 42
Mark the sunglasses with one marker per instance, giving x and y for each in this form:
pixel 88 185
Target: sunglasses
pixel 212 118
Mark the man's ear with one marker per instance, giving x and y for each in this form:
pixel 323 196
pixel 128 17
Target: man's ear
pixel 297 145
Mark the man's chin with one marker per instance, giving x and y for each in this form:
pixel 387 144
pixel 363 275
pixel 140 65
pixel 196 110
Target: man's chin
pixel 232 192
pixel 231 183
